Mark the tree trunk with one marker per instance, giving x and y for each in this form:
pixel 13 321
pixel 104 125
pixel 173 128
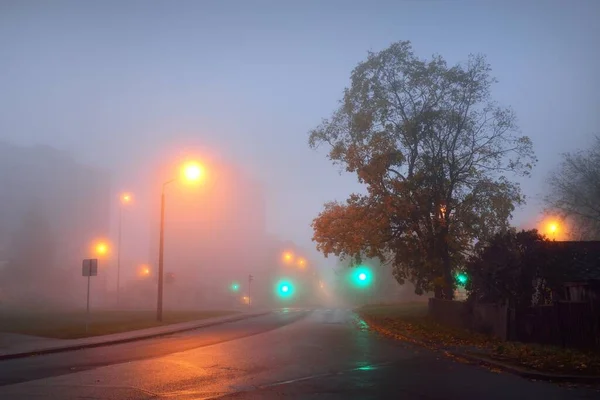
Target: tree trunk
pixel 447 266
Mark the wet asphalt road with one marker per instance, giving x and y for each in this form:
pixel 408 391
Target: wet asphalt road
pixel 298 354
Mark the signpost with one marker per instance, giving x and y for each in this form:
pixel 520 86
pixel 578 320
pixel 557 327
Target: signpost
pixel 89 268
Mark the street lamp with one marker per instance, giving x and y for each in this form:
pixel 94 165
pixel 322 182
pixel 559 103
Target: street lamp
pixel 190 172
pixel 144 270
pixel 125 199
pixel 288 257
pixel 101 249
pixel 552 228
pixel 301 263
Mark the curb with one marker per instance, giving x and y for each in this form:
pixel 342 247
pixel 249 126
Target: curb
pixel 528 373
pixel 482 360
pixel 129 339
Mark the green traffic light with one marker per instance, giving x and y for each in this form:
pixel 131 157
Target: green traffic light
pixel 235 287
pixel 462 278
pixel 284 289
pixel 361 276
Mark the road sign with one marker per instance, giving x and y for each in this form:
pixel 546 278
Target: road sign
pixel 89 267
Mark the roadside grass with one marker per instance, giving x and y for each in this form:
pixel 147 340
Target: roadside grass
pixel 71 324
pixel 410 322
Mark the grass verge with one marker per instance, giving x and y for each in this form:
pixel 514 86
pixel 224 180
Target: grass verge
pixel 71 325
pixel 410 322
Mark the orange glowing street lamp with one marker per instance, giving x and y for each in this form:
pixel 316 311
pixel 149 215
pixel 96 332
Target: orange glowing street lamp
pixel 190 172
pixel 552 228
pixel 100 248
pixel 144 270
pixel 288 257
pixel 125 199
pixel 301 263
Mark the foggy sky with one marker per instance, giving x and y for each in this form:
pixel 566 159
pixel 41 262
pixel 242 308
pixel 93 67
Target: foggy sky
pixel 120 83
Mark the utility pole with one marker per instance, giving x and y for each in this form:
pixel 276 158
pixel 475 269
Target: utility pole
pixel 250 278
pixel 159 305
pixel 119 255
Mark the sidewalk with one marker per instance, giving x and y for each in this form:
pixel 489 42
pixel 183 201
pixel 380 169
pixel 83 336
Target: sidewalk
pixel 18 346
pixel 472 354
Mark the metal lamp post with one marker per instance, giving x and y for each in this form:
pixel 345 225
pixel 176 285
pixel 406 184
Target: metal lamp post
pixel 191 172
pixel 125 198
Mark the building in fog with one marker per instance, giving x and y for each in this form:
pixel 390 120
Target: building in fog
pixel 45 187
pixel 215 234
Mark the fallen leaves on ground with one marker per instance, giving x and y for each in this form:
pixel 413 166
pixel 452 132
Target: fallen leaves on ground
pixel 413 325
pixel 548 358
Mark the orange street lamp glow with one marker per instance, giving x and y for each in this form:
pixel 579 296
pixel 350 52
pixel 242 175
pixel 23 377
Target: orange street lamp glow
pixel 101 248
pixel 302 263
pixel 288 257
pixel 126 198
pixel 552 228
pixel 192 171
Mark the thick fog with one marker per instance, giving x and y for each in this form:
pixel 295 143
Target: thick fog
pixel 99 99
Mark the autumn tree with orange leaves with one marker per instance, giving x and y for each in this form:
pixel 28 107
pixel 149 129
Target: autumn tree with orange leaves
pixel 433 150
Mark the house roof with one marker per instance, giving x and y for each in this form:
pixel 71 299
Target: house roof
pixel 584 259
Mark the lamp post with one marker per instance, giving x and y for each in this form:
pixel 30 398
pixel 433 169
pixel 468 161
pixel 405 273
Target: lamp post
pixel 191 172
pixel 125 199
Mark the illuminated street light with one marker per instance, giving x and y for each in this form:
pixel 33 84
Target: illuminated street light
pixel 551 228
pixel 144 270
pixel 126 198
pixel 101 248
pixel 191 172
pixel 301 262
pixel 288 257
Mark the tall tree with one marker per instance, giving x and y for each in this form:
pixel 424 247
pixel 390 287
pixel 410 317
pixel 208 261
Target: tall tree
pixel 575 191
pixel 433 149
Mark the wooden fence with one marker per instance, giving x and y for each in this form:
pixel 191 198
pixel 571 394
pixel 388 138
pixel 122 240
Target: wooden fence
pixel 564 324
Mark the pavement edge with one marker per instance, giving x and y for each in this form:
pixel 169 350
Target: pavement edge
pixel 63 349
pixel 486 361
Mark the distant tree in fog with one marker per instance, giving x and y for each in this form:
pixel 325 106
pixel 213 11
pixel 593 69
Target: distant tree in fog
pixel 574 191
pixel 33 248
